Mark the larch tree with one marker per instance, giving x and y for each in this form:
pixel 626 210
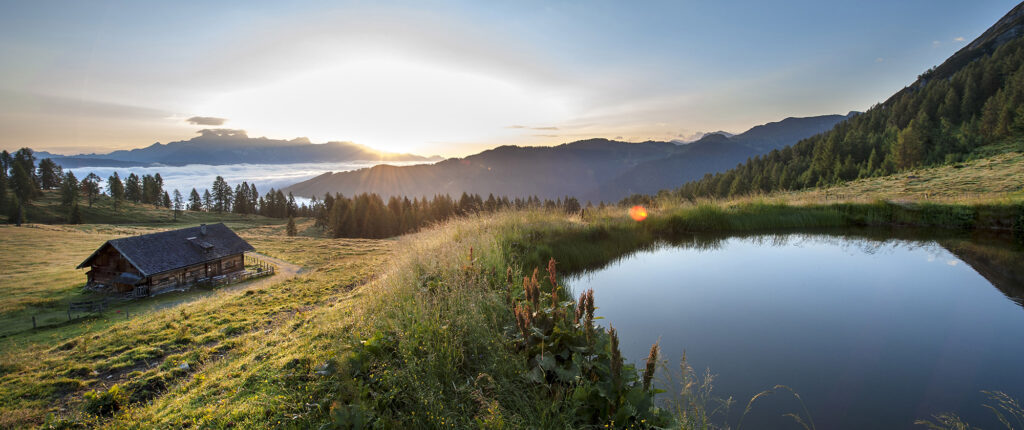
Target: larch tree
pixel 179 203
pixel 115 188
pixel 90 186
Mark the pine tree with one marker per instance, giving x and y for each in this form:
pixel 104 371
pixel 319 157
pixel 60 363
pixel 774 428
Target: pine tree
pixel 3 190
pixel 179 203
pixel 911 144
pixel 166 201
pixel 207 201
pixel 149 192
pixel 16 215
pixel 115 188
pixel 69 191
pixel 75 217
pixel 133 188
pixel 291 230
pixel 27 160
pixel 221 195
pixel 91 187
pixel 21 184
pixel 50 174
pixel 195 203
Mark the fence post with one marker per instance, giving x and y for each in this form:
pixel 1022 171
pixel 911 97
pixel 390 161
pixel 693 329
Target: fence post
pixel 69 313
pixel 33 321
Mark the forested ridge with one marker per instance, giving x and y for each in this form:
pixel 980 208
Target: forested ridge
pixel 938 120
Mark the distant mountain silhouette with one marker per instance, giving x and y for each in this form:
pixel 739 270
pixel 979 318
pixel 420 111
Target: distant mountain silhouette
pixel 700 135
pixel 594 169
pixel 222 146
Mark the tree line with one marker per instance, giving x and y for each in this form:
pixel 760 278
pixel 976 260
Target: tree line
pixel 364 215
pixel 368 215
pixel 939 120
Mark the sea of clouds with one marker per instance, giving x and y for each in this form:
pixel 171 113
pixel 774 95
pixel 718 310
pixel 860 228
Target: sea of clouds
pixel 201 176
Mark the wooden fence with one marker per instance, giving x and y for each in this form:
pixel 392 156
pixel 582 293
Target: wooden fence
pixel 256 268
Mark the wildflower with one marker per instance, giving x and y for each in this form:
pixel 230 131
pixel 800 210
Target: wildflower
pixel 652 358
pixel 551 272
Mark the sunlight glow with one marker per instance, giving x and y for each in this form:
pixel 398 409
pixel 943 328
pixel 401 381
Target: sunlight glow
pixel 638 213
pixel 390 104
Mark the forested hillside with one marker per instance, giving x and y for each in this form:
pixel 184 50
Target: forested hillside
pixel 942 118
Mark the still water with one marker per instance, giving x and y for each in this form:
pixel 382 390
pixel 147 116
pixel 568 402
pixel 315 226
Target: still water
pixel 871 333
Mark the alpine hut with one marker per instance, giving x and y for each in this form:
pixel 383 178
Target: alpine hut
pixel 151 263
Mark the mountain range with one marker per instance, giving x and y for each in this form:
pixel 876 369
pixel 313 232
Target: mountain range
pixel 593 169
pixel 224 146
pixel 970 105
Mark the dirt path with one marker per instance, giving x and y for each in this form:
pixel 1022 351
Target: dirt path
pixel 282 272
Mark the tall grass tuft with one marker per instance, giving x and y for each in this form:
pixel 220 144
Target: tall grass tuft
pixel 806 424
pixel 1006 409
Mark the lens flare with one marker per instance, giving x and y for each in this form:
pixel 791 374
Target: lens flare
pixel 638 213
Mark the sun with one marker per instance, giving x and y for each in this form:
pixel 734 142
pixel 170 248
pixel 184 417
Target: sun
pixel 390 103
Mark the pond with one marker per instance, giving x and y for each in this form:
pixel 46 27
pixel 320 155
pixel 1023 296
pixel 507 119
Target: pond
pixel 872 333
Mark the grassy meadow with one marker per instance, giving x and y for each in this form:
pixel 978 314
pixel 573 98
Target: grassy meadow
pixel 448 327
pixel 985 179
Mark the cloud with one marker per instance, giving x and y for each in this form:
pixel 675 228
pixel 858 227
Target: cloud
pixel 206 120
pixel 222 132
pixel 533 128
pixel 879 60
pixel 958 39
pixel 936 43
pixel 546 135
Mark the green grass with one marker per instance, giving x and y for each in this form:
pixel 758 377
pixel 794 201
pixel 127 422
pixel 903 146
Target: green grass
pixel 992 175
pixel 48 370
pixel 416 331
pixel 257 357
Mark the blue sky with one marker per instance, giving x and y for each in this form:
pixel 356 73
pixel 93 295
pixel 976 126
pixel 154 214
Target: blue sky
pixel 453 78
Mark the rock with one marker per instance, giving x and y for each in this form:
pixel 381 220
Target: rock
pixel 324 369
pixel 184 366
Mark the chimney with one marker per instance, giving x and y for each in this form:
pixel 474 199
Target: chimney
pixel 202 229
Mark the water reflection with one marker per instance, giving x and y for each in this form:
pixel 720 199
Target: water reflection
pixel 873 328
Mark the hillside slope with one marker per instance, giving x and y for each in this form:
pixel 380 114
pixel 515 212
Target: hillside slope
pixel 973 100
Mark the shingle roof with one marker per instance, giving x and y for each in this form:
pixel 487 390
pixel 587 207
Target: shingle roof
pixel 159 252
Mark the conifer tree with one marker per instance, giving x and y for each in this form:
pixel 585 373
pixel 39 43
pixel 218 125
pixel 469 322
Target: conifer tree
pixel 69 191
pixel 291 230
pixel 16 215
pixel 195 203
pixel 90 187
pixel 115 188
pixel 21 184
pixel 75 217
pixel 133 188
pixel 179 203
pixel 50 174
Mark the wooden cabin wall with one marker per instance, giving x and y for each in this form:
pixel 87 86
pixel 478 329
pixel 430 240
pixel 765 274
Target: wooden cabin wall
pixel 107 265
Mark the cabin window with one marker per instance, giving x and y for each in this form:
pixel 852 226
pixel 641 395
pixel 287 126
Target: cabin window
pixel 229 263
